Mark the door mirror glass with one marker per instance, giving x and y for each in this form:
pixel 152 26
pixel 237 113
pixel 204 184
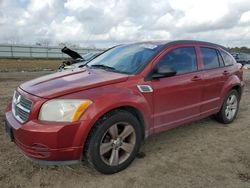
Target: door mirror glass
pixel 163 71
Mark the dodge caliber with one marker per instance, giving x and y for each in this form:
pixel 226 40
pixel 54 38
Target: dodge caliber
pixel 103 111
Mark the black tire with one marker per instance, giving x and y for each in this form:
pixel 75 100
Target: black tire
pixel 101 130
pixel 222 116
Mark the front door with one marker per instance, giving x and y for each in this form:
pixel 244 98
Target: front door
pixel 177 99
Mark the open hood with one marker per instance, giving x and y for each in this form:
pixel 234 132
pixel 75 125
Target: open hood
pixel 74 55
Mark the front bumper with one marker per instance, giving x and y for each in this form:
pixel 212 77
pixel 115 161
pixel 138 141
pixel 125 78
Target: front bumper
pixel 47 143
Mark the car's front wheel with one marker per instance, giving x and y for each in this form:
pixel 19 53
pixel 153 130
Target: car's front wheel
pixel 229 108
pixel 114 142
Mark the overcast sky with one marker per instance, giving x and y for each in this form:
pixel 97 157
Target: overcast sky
pixel 106 22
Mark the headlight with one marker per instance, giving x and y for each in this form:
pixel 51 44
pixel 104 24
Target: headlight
pixel 63 110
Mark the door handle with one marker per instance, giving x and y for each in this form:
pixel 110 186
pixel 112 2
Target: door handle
pixel 196 78
pixel 225 73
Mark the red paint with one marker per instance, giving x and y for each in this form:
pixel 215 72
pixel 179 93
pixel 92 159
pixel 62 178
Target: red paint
pixel 175 101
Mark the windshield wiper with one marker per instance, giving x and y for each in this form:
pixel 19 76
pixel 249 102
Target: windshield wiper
pixel 105 67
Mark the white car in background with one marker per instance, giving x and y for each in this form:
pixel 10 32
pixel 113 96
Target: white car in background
pixel 76 60
pixel 77 63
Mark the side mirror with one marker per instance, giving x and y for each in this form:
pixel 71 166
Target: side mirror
pixel 163 71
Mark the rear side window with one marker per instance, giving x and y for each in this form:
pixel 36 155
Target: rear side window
pixel 182 60
pixel 228 60
pixel 210 58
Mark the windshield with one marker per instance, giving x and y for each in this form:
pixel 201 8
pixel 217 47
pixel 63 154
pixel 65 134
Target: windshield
pixel 125 59
pixel 88 56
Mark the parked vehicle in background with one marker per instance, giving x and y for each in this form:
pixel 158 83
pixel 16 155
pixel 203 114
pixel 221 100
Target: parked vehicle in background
pixel 246 66
pixel 76 60
pixel 242 58
pixel 78 63
pixel 105 110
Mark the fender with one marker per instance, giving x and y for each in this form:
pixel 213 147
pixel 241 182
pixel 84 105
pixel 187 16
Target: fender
pixel 112 97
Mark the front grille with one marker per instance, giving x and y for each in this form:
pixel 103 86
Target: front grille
pixel 21 107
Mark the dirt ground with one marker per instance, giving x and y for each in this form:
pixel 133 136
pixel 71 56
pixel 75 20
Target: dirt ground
pixel 202 154
pixel 10 65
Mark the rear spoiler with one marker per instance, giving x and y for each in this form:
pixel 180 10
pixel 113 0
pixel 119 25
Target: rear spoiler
pixel 74 55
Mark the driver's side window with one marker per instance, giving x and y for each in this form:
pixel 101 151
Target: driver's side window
pixel 182 60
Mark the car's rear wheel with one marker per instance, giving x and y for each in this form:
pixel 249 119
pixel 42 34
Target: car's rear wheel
pixel 114 142
pixel 229 109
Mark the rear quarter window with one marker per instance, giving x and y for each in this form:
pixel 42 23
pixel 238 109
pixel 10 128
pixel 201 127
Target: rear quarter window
pixel 228 59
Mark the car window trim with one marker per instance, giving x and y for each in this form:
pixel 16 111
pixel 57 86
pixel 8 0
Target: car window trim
pixel 220 57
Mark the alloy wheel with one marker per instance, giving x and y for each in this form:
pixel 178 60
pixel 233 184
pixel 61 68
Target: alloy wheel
pixel 117 143
pixel 231 107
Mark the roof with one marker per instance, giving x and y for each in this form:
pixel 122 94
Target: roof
pixel 167 43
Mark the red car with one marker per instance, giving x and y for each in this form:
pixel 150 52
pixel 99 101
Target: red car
pixel 103 111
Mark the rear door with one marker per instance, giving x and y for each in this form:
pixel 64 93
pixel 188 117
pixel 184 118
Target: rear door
pixel 177 99
pixel 215 74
